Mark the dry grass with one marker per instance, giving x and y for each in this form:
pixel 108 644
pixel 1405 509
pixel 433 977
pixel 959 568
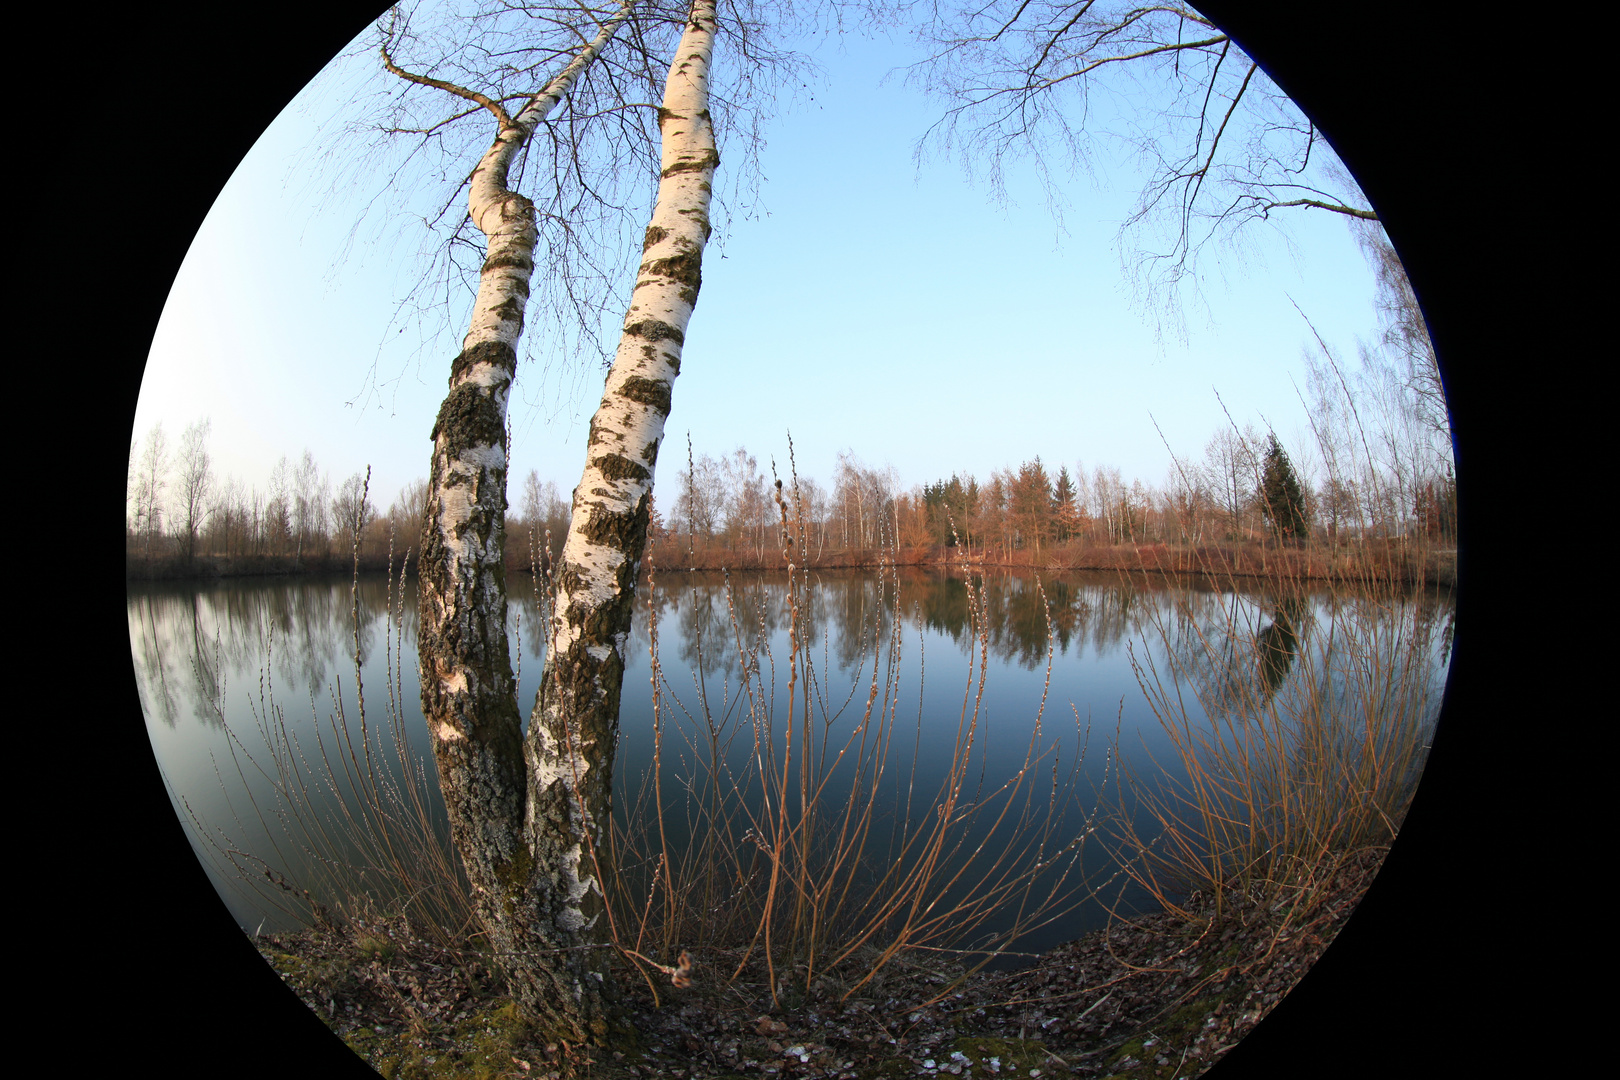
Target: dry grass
pixel 355 822
pixel 793 828
pixel 1289 747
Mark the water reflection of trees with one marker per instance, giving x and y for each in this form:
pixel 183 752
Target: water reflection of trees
pixel 1350 667
pixel 188 643
pixel 1277 643
pixel 1101 611
pixel 1237 651
pixel 1299 653
pixel 1295 727
pixel 1236 646
pixel 842 611
pixel 1234 649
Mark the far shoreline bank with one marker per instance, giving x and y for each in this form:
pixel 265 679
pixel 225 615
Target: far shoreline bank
pixel 1390 562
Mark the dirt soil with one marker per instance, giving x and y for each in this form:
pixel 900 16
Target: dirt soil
pixel 1156 996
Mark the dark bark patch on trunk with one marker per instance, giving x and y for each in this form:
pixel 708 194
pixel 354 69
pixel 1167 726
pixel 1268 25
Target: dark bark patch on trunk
pixel 498 353
pixel 514 874
pixel 655 233
pixel 685 268
pixel 511 309
pixel 653 393
pixel 701 218
pixel 596 436
pixel 506 262
pixel 622 530
pixel 594 687
pixel 513 204
pixel 649 453
pixel 616 467
pixel 654 330
pixel 705 161
pixel 470 417
pixel 600 624
pixel 652 355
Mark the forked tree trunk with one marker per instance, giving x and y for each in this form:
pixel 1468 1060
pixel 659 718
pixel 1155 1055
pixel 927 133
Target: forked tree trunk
pixel 469 697
pixel 524 817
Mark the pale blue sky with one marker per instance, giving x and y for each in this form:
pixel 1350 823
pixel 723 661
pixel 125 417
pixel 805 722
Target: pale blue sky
pixel 895 311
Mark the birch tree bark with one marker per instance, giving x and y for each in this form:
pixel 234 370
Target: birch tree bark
pixel 574 727
pixel 525 814
pixel 469 696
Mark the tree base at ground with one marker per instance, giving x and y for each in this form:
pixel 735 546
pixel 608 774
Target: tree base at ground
pixel 1148 996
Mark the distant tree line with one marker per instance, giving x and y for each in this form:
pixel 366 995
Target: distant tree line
pixel 183 517
pixel 1375 474
pixel 1245 489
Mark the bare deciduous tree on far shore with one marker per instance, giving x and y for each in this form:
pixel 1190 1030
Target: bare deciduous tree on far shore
pixel 545 520
pixel 194 482
pixel 310 495
pixel 352 512
pixel 148 477
pixel 407 508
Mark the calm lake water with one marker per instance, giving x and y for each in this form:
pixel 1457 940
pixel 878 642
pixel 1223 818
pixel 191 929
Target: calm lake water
pixel 228 669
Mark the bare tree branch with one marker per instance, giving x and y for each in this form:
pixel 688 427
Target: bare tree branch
pixel 1022 79
pixel 460 91
pixel 590 167
pixel 1337 208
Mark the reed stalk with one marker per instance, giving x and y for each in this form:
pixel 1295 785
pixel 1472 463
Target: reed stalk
pixel 1293 740
pixel 783 830
pixel 356 828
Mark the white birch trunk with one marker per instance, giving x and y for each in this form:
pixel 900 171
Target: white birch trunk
pixel 469 697
pixel 574 727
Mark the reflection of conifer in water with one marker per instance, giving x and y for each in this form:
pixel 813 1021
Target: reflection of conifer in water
pixel 944 604
pixel 1278 643
pixel 1063 599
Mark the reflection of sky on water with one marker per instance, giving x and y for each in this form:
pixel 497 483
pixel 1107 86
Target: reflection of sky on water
pixel 199 655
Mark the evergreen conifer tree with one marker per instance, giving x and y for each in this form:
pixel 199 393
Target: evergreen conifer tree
pixel 1281 497
pixel 1065 506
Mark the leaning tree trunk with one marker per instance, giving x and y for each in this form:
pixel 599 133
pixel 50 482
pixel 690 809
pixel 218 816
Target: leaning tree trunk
pixel 469 697
pixel 525 815
pixel 574 727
